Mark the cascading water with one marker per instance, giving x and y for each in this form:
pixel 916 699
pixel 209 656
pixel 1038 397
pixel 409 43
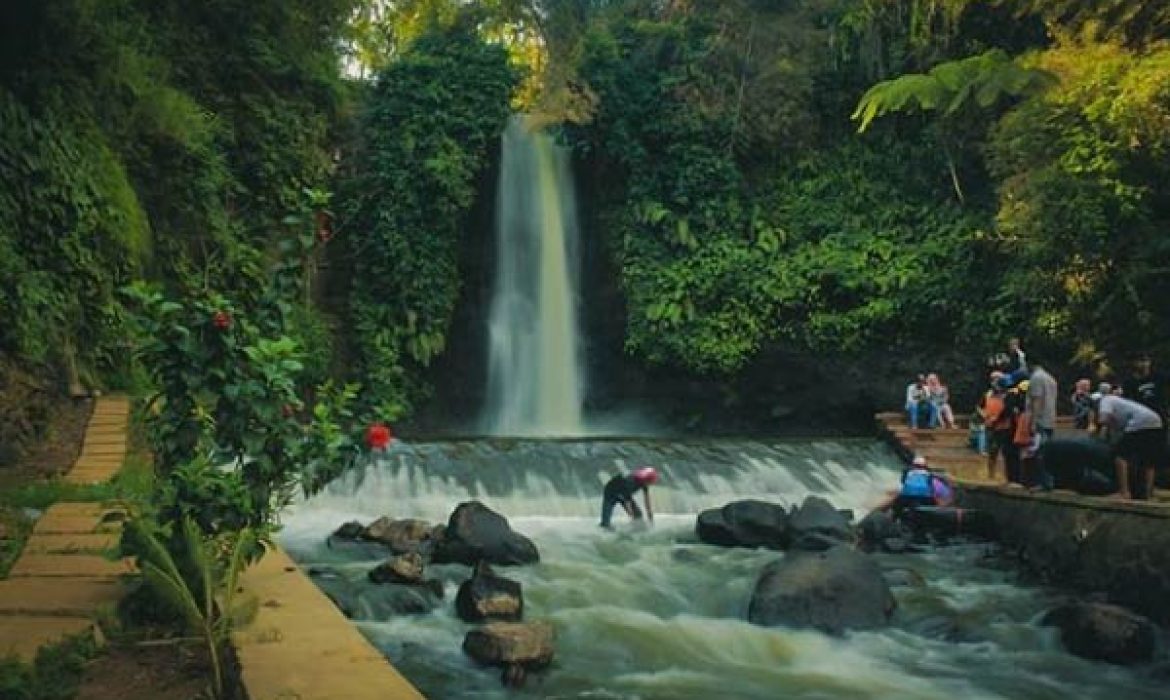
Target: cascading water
pixel 534 371
pixel 654 615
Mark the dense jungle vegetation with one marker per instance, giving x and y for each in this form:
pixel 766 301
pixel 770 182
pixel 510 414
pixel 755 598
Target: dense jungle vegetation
pixel 814 176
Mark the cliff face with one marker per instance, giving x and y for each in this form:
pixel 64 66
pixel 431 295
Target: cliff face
pixel 1094 546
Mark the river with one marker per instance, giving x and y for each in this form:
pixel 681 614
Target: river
pixel 652 614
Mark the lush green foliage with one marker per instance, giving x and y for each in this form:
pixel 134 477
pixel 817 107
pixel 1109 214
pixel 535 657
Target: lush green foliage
pixel 149 138
pixel 1084 173
pixel 429 126
pixel 230 393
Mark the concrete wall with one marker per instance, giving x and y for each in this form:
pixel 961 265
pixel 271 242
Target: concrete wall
pixel 1089 545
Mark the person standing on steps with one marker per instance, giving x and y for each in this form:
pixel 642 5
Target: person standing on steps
pixel 621 489
pixel 1042 390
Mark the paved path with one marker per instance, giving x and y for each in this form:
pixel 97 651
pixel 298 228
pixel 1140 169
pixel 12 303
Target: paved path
pixel 62 578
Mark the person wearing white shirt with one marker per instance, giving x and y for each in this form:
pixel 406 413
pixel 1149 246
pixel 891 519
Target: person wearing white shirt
pixel 1141 445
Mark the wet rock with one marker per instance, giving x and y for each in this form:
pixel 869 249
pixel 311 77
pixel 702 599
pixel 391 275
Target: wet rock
pixel 475 533
pixel 746 523
pixel 817 521
pixel 349 531
pixel 904 578
pixel 831 591
pixel 404 568
pixel 486 596
pixel 686 555
pixel 1104 632
pixel 899 545
pixel 815 542
pixel 401 536
pixel 877 526
pixel 528 645
pixel 360 600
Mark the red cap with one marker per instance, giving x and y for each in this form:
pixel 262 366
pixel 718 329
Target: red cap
pixel 646 475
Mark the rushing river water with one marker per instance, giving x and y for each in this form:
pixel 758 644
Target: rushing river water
pixel 653 614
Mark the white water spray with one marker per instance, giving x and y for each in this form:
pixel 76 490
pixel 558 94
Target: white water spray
pixel 534 369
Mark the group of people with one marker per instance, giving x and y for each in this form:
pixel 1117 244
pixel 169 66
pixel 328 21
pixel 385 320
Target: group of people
pixel 928 403
pixel 1016 418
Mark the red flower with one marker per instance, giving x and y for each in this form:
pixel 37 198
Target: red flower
pixel 378 436
pixel 222 320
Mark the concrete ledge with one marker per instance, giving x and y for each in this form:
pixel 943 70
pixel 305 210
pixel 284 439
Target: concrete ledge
pixel 70 543
pixel 300 646
pixel 1087 544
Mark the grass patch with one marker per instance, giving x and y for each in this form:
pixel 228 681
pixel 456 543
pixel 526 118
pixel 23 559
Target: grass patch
pixel 55 675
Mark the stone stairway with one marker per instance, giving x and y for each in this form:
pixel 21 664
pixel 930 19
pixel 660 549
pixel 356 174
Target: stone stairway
pixel 944 449
pixel 62 579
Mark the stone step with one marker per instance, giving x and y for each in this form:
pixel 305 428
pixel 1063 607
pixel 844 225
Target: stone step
pixel 71 543
pixel 23 635
pixel 118 443
pixel 72 565
pixel 58 597
pixel 99 451
pixel 74 518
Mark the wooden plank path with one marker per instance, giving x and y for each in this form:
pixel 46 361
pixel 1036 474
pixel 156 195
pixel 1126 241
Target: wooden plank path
pixel 62 578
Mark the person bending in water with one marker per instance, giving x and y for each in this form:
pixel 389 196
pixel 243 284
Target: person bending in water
pixel 621 489
pixel 920 487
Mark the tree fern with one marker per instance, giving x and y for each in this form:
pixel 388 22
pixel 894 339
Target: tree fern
pixel 984 79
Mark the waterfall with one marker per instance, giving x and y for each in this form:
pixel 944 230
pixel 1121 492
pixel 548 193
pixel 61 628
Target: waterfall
pixel 534 369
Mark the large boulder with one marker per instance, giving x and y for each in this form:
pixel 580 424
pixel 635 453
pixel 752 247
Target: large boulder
pixel 746 523
pixel 1104 632
pixel 477 533
pixel 401 536
pixel 486 596
pixel 832 591
pixel 816 525
pixel 526 644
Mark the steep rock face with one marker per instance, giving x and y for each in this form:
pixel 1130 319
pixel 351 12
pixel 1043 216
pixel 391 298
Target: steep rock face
pixel 1086 544
pixel 477 533
pixel 833 591
pixel 1104 632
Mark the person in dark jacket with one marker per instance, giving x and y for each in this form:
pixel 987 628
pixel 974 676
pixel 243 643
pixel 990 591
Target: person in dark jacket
pixel 621 489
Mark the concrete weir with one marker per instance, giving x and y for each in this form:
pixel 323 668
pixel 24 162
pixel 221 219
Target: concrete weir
pixel 1088 544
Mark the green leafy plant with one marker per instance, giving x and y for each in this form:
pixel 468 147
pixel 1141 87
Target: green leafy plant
pixel 198 578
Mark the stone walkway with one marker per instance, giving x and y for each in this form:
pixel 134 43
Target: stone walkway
pixel 62 579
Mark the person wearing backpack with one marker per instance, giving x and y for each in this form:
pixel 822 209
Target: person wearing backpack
pixel 999 420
